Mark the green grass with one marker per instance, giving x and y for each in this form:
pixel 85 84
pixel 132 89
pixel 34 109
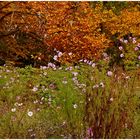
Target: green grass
pixel 66 105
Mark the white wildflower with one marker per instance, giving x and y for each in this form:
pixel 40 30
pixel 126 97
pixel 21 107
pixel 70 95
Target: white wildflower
pixel 105 54
pixel 64 82
pixel 34 89
pixel 83 90
pixel 75 73
pixel 55 57
pixel 127 77
pixel 121 55
pixel 41 103
pixel 102 84
pixel 13 109
pixel 120 48
pixel 16 104
pixel 39 58
pixel 70 53
pixel 35 102
pixel 75 106
pixel 125 41
pixel 49 99
pixel 43 67
pixel 96 86
pixel 93 65
pixel 30 113
pixel 8 71
pixel 81 60
pixel 111 99
pixel 45 73
pixel 20 104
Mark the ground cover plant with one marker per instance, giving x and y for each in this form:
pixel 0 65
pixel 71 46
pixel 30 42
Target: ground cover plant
pixel 69 70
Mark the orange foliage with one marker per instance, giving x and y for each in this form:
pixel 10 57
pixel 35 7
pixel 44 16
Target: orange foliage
pixel 74 30
pixel 22 26
pixel 32 28
pixel 128 21
pixel 67 26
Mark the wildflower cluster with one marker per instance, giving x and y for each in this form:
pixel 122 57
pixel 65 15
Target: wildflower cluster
pixel 125 53
pixel 88 62
pixel 58 55
pixel 77 83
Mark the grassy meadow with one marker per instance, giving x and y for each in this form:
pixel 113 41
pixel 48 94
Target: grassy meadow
pixel 81 101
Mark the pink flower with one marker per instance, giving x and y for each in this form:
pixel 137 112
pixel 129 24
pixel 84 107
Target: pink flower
pixel 139 57
pixel 121 39
pixel 109 73
pixel 59 53
pixel 134 40
pixel 136 48
pixel 121 55
pixel 85 61
pixel 90 63
pixel 138 45
pixel 120 48
pixel 89 132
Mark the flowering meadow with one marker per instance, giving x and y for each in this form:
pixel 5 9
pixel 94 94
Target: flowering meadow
pixel 69 70
pixel 83 101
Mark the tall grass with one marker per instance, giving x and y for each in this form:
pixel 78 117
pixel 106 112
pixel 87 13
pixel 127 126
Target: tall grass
pixel 111 104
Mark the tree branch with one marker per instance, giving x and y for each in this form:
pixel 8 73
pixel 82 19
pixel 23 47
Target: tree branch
pixel 5 5
pixel 7 14
pixel 8 33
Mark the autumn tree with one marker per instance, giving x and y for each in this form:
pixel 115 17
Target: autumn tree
pixel 36 29
pixel 22 28
pixel 71 27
